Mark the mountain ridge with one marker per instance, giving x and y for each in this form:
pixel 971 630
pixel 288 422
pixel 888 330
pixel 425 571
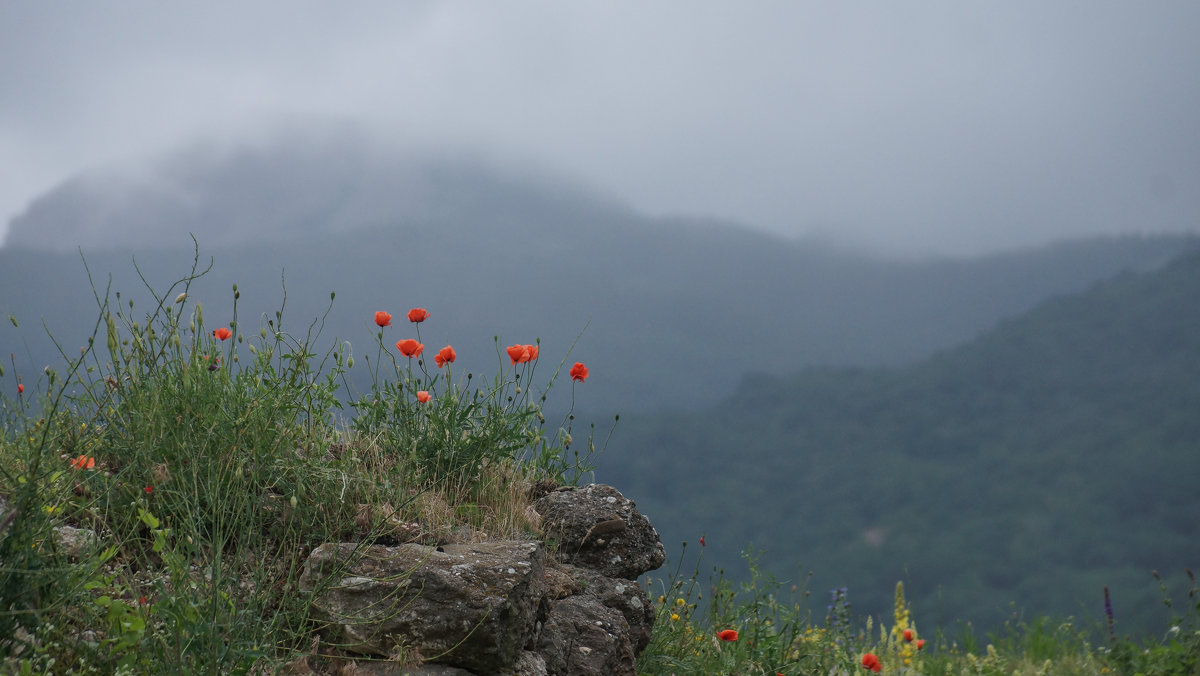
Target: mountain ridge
pixel 1051 456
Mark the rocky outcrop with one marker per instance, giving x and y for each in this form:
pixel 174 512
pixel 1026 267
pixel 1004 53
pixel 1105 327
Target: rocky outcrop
pixel 563 605
pixel 596 527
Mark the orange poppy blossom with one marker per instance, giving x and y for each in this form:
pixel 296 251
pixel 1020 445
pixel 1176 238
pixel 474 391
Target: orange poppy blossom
pixel 423 396
pixel 445 356
pixel 519 354
pixel 872 662
pixel 579 372
pixel 222 333
pixel 409 347
pixel 727 634
pixel 83 462
pixel 417 315
pixel 383 319
pixel 20 388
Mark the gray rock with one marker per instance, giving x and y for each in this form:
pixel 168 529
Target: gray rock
pixel 74 542
pixel 582 637
pixel 530 664
pixel 472 606
pixel 596 527
pixel 624 596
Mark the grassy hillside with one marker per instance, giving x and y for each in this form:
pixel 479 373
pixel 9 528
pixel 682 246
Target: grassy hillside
pixel 1023 471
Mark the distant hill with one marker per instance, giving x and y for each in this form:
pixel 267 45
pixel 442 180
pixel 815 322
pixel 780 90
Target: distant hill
pixel 1056 454
pixel 679 309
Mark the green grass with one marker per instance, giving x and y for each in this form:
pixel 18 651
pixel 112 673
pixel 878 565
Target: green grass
pixel 211 462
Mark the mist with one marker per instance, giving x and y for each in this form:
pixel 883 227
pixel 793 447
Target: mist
pixel 936 129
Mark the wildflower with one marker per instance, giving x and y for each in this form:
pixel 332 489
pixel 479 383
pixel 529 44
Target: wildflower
pixel 148 489
pixel 423 396
pixel 519 354
pixel 409 348
pixel 383 319
pixel 908 635
pixel 417 315
pixel 872 662
pixel 222 333
pixel 727 634
pixel 701 540
pixel 680 602
pixel 920 644
pixel 444 356
pixel 579 372
pixel 83 462
pixel 674 617
pixel 20 388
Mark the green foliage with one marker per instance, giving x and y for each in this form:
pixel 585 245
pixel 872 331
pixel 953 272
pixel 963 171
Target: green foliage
pixel 207 462
pixel 778 632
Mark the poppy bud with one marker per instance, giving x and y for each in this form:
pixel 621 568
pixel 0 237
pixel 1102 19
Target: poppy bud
pixel 181 297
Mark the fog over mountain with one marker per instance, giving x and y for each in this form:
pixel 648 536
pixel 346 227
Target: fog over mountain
pixel 288 186
pixel 676 310
pixel 911 129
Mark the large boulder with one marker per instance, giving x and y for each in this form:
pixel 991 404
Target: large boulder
pixel 473 606
pixel 596 527
pixel 499 607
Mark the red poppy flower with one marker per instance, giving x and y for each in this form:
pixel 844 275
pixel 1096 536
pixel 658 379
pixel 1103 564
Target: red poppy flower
pixel 383 319
pixel 533 352
pixel 727 635
pixel 519 354
pixel 20 388
pixel 423 396
pixel 149 489
pixel 417 315
pixel 701 540
pixel 410 348
pixel 579 372
pixel 444 356
pixel 222 333
pixel 920 644
pixel 872 662
pixel 83 462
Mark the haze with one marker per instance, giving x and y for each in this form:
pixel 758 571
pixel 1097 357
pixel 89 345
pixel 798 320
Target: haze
pixel 911 129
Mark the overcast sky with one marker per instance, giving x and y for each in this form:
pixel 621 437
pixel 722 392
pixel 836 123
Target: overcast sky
pixel 950 127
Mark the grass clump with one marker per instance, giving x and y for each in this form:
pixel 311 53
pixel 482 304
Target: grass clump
pixel 161 493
